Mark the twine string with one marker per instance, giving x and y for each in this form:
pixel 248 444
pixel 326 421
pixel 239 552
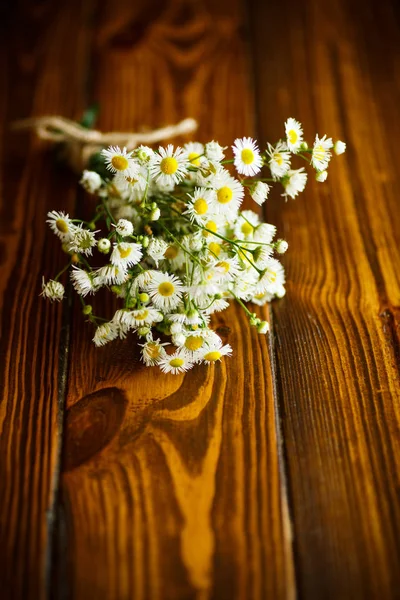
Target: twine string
pixel 81 143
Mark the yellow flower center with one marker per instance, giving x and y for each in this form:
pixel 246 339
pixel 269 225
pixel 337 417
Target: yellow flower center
pixel 194 342
pixel 259 296
pixel 278 158
pixel 166 289
pixel 292 136
pixel 224 265
pixel 169 165
pixel 319 152
pixel 124 252
pixel 131 180
pixel 214 248
pixel 247 156
pixel 153 350
pixel 120 163
pixel 171 252
pixel 141 314
pixel 212 226
pixel 272 276
pixel 62 225
pixel 212 356
pixel 247 229
pixel 200 206
pixel 224 195
pixel 194 158
pixel 176 362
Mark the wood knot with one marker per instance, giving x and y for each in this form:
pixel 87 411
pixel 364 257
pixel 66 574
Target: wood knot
pixel 91 424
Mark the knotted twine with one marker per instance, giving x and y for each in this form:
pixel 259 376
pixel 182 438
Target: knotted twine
pixel 80 143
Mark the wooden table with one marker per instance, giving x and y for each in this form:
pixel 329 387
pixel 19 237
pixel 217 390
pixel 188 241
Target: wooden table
pixel 274 475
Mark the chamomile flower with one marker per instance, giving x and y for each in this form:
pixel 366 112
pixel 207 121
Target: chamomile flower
pixel 264 233
pixel 321 154
pixel 110 274
pixel 214 353
pixel 279 162
pixel 61 225
pixel 200 338
pixel 227 269
pixel 82 241
pixel 261 298
pixel 127 185
pixel 165 290
pixel 175 256
pixel 124 228
pixel 294 182
pixel 83 281
pixel 199 207
pixel 144 155
pixel 142 316
pixel 216 305
pixel 272 277
pixel 261 256
pixel 156 249
pixel 294 135
pixel 214 151
pixel 179 362
pixel 248 159
pixel 169 165
pixel 246 224
pixel 259 192
pixel 106 333
pixel 153 352
pixel 52 290
pixel 119 161
pixel 228 193
pixel 91 181
pixel 126 254
pixel 195 153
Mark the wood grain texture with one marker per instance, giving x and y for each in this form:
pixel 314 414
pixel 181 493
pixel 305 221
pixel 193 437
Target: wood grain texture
pixel 337 331
pixel 171 485
pixel 31 184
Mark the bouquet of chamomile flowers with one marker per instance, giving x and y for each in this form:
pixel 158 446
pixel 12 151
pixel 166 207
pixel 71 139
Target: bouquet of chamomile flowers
pixel 168 238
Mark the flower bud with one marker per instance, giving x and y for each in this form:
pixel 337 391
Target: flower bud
pixel 143 297
pixel 263 327
pixel 178 339
pixel 281 246
pixel 143 331
pixel 87 309
pixel 155 214
pixel 145 241
pixel 131 303
pixel 104 246
pixel 321 176
pixel 339 147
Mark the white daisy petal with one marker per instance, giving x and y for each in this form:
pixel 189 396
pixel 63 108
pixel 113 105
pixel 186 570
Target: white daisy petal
pixel 248 159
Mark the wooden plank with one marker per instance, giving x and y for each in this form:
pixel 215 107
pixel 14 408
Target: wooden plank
pixel 33 41
pixel 334 66
pixel 171 485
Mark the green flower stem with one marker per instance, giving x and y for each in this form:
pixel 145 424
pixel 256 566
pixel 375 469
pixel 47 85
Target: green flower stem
pixel 67 266
pixel 246 310
pixel 85 262
pixel 108 211
pixel 180 245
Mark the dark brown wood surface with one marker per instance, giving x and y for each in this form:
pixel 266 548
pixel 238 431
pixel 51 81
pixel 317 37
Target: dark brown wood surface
pixel 274 475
